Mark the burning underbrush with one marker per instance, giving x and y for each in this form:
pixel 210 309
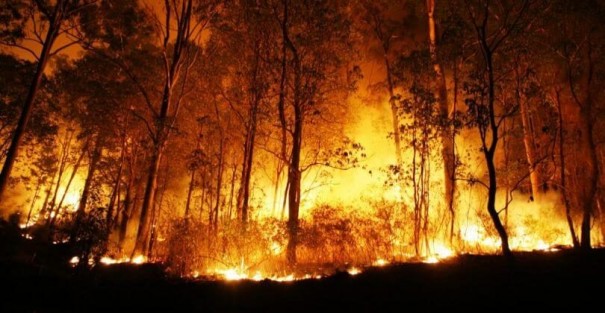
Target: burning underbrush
pixel 331 239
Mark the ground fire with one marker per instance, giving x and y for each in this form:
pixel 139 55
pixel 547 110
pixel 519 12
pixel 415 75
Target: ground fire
pixel 286 141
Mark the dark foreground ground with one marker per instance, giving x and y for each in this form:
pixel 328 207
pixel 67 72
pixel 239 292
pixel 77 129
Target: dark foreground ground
pixel 561 280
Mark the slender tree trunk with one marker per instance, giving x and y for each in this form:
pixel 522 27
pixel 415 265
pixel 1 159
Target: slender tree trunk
pixel 71 177
pixel 232 191
pixel 44 207
pixel 592 170
pixel 173 63
pixel 586 128
pixel 394 113
pixel 35 197
pixel 156 213
pixel 257 94
pixel 417 210
pixel 294 196
pixel 142 236
pixel 244 192
pixel 489 152
pixel 276 183
pixel 447 140
pixel 28 106
pixel 491 205
pixel 116 186
pixel 62 164
pixel 506 158
pixel 294 174
pixel 126 213
pixel 203 200
pixel 219 185
pixel 94 160
pixel 564 193
pixel 189 193
pixel 285 198
pixel 281 105
pixel 529 142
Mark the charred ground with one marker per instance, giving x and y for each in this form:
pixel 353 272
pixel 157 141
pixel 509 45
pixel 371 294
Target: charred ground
pixel 546 280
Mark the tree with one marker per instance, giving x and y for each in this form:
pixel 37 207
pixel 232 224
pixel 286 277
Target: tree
pixel 445 110
pixel 248 27
pixel 577 48
pixel 46 17
pixel 315 39
pixel 423 119
pixel 178 58
pixel 178 30
pixel 492 35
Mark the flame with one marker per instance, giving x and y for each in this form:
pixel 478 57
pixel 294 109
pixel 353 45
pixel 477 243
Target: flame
pixel 240 273
pixel 138 259
pixel 353 271
pixel 233 274
pixel 441 251
pixel 236 274
pixel 380 262
pixel 74 261
pixel 431 260
pixel 360 194
pixel 72 198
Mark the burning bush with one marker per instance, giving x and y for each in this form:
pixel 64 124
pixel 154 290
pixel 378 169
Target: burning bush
pixel 197 247
pixel 89 236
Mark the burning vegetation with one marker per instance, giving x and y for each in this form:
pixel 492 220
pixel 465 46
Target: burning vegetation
pixel 287 140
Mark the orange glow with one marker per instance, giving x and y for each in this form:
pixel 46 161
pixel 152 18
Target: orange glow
pixel 380 262
pixel 353 271
pixel 235 274
pixel 363 215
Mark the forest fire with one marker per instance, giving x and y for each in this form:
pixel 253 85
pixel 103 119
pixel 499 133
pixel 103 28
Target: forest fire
pixel 286 140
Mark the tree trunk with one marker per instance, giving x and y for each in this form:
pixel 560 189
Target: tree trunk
pixel 156 213
pixel 219 185
pixel 276 183
pixel 173 62
pixel 447 140
pixel 94 160
pixel 116 186
pixel 189 193
pixel 394 113
pixel 294 172
pixel 489 152
pixel 244 192
pixel 491 205
pixel 28 106
pixel 61 171
pixel 592 172
pixel 586 127
pixel 232 191
pixel 142 236
pixel 126 213
pixel 71 177
pixel 33 203
pixel 564 193
pixel 294 178
pixel 529 143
